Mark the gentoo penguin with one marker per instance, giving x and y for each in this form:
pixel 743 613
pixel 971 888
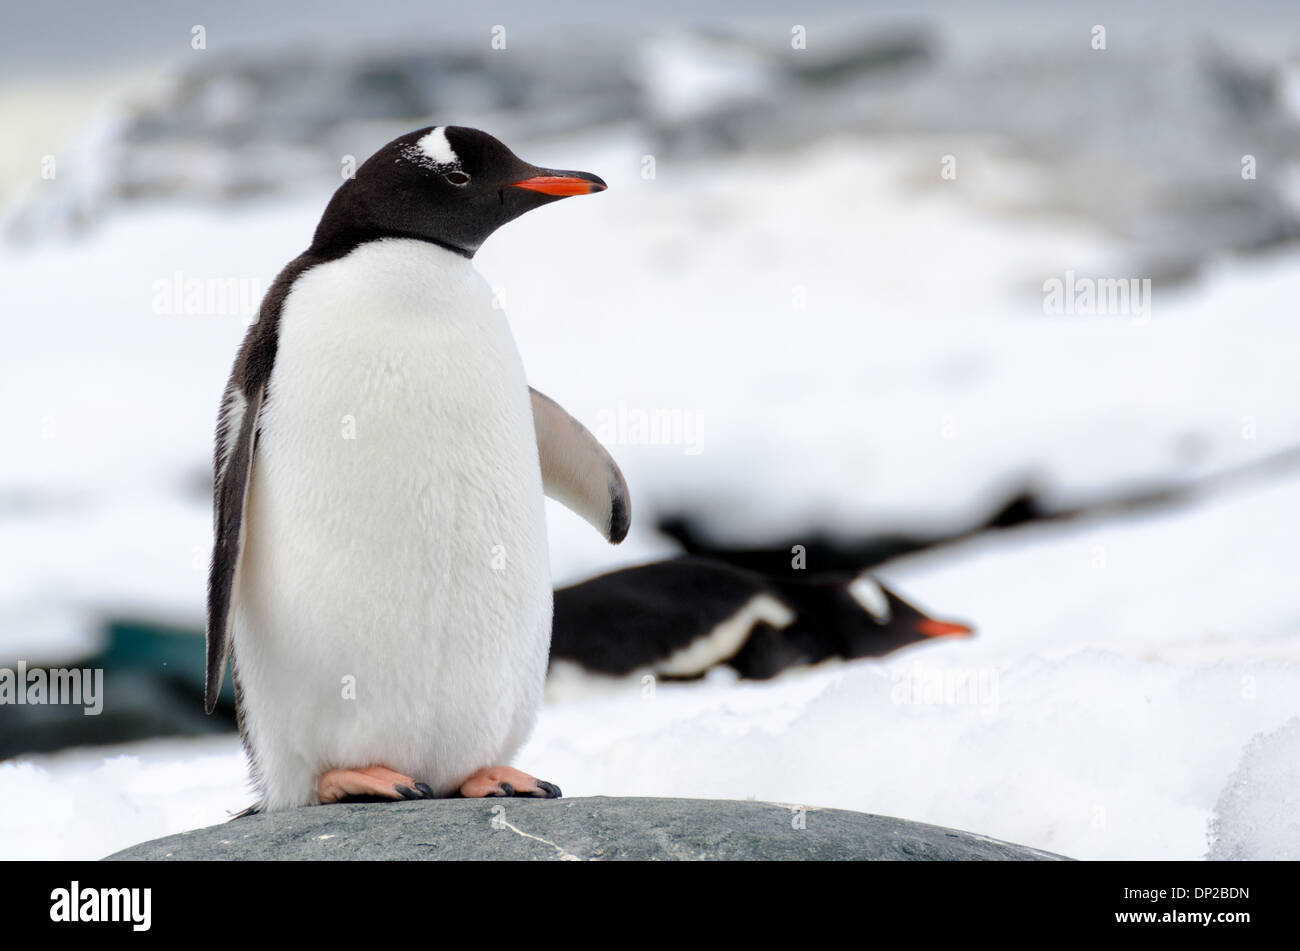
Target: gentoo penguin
pixel 681 617
pixel 380 576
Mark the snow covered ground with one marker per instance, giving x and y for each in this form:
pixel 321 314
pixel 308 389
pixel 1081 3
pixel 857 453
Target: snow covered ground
pixel 851 344
pixel 1122 672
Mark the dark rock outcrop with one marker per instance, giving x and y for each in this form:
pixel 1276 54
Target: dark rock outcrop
pixel 597 828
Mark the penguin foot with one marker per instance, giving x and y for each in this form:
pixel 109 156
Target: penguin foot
pixel 495 781
pixel 373 781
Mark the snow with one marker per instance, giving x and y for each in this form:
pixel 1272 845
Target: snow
pixel 1103 717
pixel 862 347
pixel 1101 723
pixel 94 802
pixel 1257 815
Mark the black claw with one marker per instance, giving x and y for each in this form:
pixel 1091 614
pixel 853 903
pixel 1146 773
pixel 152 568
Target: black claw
pixel 507 789
pixel 548 790
pixel 406 792
pixel 425 790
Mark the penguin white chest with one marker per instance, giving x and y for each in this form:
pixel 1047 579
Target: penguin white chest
pixel 394 595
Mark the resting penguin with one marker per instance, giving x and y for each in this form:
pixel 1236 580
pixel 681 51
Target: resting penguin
pixel 679 618
pixel 380 576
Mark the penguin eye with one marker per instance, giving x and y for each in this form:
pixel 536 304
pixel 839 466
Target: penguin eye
pixel 457 178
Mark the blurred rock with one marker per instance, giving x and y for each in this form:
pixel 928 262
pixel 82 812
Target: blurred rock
pixel 152 687
pixel 1147 144
pixel 593 829
pixel 137 705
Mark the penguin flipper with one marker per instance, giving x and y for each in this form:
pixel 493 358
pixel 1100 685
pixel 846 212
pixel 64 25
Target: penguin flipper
pixel 577 471
pixel 236 445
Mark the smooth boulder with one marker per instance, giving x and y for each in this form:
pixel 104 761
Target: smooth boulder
pixel 596 828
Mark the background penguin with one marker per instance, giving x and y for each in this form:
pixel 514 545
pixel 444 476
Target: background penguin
pixel 386 598
pixel 681 617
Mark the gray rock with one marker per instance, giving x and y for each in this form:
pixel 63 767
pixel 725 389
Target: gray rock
pixel 598 828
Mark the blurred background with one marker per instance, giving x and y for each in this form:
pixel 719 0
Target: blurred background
pixel 839 294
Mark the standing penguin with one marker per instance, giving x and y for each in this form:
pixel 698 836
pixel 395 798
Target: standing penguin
pixel 380 576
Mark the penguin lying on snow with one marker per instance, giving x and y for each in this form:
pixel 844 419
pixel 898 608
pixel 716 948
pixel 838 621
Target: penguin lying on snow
pixel 679 618
pixel 380 576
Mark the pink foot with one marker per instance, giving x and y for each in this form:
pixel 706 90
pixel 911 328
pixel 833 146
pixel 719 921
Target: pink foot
pixel 381 781
pixel 507 781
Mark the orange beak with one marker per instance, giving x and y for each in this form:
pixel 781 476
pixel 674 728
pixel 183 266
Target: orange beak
pixel 932 628
pixel 561 186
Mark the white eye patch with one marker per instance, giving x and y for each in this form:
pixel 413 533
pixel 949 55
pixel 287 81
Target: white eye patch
pixel 433 150
pixel 436 146
pixel 872 597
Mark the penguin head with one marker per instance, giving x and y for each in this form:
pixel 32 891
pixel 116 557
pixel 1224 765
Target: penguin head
pixel 887 622
pixel 451 185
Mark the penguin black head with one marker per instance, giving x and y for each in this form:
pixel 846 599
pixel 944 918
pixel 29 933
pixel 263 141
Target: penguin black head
pixel 450 185
pixel 884 622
